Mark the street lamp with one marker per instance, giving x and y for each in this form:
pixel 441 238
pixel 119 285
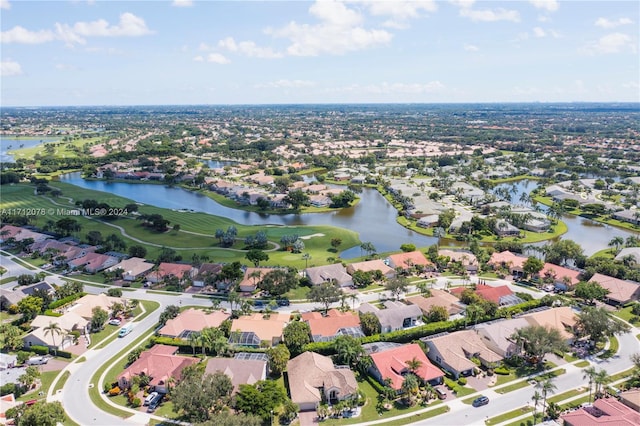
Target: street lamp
pixel 271 422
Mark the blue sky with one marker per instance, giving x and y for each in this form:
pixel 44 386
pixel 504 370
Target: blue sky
pixel 241 52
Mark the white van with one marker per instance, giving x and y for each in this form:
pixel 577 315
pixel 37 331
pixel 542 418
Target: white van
pixel 37 360
pixel 150 398
pixel 125 330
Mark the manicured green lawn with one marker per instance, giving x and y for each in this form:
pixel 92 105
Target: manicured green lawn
pixel 515 386
pixel 550 374
pixel 582 364
pixel 614 345
pixel 504 378
pixel 508 415
pixel 62 381
pixel 565 395
pixel 624 313
pixel 97 338
pixel 46 378
pixel 419 417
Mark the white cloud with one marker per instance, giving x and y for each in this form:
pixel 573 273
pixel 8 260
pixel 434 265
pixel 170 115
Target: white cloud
pixel 19 34
pixel 395 88
pixel 10 68
pixel 335 13
pixel 198 58
pixel 400 11
pixel 487 15
pixel 607 24
pixel 471 48
pixel 182 3
pixel 285 84
pixel 610 43
pixel 246 48
pixel 217 58
pixel 4 4
pixel 539 32
pixel 129 26
pixel 465 4
pixel 549 5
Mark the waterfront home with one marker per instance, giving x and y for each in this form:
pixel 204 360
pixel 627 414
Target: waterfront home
pixel 563 278
pixel 395 315
pixel 160 364
pixel 192 320
pixel 632 253
pixel 240 371
pixel 466 258
pixel 392 364
pixel 631 216
pixel 621 292
pixel 453 352
pixel 511 261
pixel 428 221
pixel 372 266
pixel 505 229
pixel 132 268
pixel 325 328
pixel 313 378
pixel 335 273
pixel 409 260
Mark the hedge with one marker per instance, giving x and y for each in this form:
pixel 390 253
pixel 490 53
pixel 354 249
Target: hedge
pixel 63 354
pixel 502 371
pixel 374 384
pixel 415 333
pixel 65 300
pixel 40 350
pixel 51 313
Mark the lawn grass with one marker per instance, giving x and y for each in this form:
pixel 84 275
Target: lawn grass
pixel 508 415
pixel 97 338
pixel 515 386
pixel 62 381
pixel 419 417
pixel 582 364
pixel 8 279
pixel 566 395
pixel 614 345
pixel 504 378
pixel 149 307
pixel 464 391
pixel 550 374
pixel 46 378
pixel 624 313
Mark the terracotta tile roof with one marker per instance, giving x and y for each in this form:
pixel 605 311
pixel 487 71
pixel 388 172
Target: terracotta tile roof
pixel 438 298
pixel 309 372
pixel 493 294
pixel 240 371
pixel 620 291
pixel 392 364
pixel 605 411
pixel 264 328
pixel 507 258
pixel 192 320
pixel 175 269
pixel 370 266
pixel 84 306
pixel 328 326
pixel 159 363
pixel 560 272
pixel 406 260
pixel 559 318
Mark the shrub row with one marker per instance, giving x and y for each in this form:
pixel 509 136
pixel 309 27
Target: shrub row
pixel 51 313
pixel 415 333
pixel 65 300
pixel 374 383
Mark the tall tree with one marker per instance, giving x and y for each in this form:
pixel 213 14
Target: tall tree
pixel 256 256
pixel 326 294
pixel 278 358
pixel 296 334
pixel 200 396
pixel 546 386
pixel 597 324
pixel 537 341
pixel 590 374
pixel 397 286
pixel 54 330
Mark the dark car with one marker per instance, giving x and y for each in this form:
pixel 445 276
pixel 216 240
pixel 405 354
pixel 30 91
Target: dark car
pixel 154 404
pixel 283 302
pixel 481 400
pixel 258 303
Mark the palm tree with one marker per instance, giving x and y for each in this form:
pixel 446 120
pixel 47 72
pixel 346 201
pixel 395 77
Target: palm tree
pixel 410 385
pixel 616 242
pixel 306 258
pixel 536 399
pixel 546 386
pixel 195 337
pixel 589 373
pixel 354 299
pixel 600 379
pixel 234 298
pixel 414 365
pixel 54 330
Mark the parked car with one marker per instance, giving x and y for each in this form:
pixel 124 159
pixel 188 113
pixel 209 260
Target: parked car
pixel 440 392
pixel 481 400
pixel 37 360
pixel 258 303
pixel 154 404
pixel 114 321
pixel 283 302
pixel 149 399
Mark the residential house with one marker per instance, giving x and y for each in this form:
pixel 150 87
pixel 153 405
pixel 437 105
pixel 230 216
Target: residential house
pixel 497 335
pixel 395 315
pixel 314 378
pixel 620 291
pixel 562 319
pixel 466 258
pixel 17 233
pixel 604 411
pixel 631 216
pixel 12 297
pixel 92 262
pixel 68 322
pixel 500 295
pixel 453 352
pixel 509 260
pixel 7 361
pixel 7 402
pixel 409 260
pixel 258 330
pixel 372 266
pixel 240 371
pixel 629 253
pixel 505 229
pixel 631 398
pixel 335 273
pixel 132 268
pixel 334 324
pixel 252 277
pixel 563 278
pixel 85 305
pixel 438 298
pixel 428 221
pixel 392 364
pixel 192 320
pixel 160 364
pixel 166 270
pixel 206 271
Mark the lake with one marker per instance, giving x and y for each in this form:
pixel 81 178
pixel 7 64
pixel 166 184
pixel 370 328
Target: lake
pixel 10 143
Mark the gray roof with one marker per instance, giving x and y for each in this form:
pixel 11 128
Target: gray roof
pixel 394 313
pixel 321 274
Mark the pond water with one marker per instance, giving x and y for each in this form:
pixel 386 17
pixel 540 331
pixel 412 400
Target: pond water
pixel 10 143
pixel 590 235
pixel 373 218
